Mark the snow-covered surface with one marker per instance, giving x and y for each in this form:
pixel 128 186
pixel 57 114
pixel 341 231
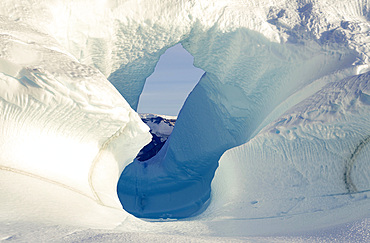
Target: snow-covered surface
pixel 283 108
pixel 149 116
pixel 160 125
pixel 61 122
pixel 171 232
pixel 311 163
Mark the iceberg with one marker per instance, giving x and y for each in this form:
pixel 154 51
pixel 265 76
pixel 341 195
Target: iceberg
pixel 275 133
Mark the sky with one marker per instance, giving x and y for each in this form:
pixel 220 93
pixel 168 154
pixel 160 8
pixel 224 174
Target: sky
pixel 174 77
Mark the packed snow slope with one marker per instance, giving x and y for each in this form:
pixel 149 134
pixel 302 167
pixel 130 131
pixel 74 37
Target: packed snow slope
pixel 283 110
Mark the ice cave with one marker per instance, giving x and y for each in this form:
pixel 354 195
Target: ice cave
pixel 272 141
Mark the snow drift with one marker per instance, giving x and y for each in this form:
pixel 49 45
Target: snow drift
pixel 284 103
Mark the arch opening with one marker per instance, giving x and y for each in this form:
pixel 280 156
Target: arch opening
pixel 163 95
pixel 167 88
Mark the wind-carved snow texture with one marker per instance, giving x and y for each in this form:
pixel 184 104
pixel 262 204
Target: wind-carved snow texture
pixel 283 109
pixel 60 122
pixel 316 144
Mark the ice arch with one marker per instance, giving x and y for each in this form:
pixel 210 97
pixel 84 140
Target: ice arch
pixel 227 106
pixel 260 60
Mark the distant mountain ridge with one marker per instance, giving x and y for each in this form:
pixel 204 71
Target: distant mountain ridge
pixel 161 127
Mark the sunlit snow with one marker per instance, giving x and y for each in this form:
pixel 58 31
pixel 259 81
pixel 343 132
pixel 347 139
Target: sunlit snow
pixel 272 144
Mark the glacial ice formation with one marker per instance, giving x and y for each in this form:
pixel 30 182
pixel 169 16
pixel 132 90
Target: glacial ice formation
pixel 313 158
pixel 61 122
pixel 283 108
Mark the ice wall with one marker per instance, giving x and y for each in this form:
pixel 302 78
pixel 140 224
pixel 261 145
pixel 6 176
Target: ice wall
pixel 247 76
pixel 61 122
pixel 261 59
pixel 311 163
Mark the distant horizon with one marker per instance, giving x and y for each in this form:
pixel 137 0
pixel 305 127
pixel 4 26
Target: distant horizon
pixel 174 77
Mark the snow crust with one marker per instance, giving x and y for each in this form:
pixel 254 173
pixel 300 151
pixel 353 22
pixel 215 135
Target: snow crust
pixel 283 108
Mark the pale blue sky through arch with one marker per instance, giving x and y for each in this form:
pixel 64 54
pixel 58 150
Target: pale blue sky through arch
pixel 166 89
